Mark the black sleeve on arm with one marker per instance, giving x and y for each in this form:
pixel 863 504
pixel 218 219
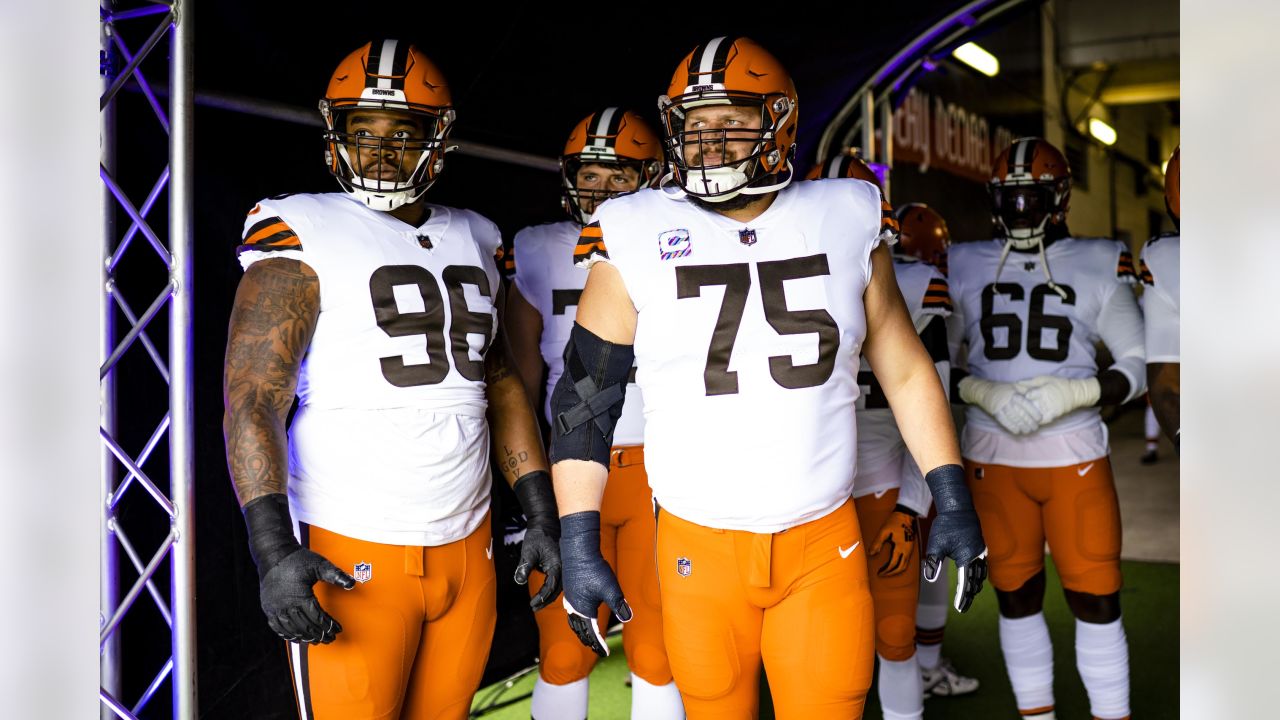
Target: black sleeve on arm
pixel 587 400
pixel 1114 387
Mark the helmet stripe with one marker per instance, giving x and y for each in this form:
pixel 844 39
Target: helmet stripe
pixel 721 59
pixel 711 56
pixel 1024 151
pixel 400 65
pixel 386 62
pixel 605 127
pixel 387 58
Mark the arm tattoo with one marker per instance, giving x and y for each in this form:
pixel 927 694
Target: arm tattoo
pixel 511 416
pixel 274 316
pixel 496 365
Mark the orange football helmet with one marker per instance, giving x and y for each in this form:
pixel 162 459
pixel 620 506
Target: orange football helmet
pixel 731 71
pixel 845 165
pixel 612 136
pixel 1030 188
pixel 923 234
pixel 386 77
pixel 1172 196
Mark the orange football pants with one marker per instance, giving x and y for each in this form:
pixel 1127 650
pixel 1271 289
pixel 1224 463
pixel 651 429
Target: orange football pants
pixel 627 526
pixel 797 599
pixel 415 636
pixel 894 597
pixel 1075 508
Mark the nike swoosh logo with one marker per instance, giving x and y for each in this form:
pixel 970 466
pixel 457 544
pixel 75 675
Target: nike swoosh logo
pixel 489 550
pixel 881 493
pixel 846 553
pixel 1081 471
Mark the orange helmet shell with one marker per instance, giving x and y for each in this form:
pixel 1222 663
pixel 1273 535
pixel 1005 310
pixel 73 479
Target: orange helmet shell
pixel 1172 195
pixel 386 73
pixel 923 234
pixel 609 136
pixel 847 165
pixel 1030 161
pixel 729 70
pixel 612 134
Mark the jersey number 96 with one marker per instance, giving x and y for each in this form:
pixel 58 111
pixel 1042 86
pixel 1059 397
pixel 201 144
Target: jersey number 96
pixel 430 322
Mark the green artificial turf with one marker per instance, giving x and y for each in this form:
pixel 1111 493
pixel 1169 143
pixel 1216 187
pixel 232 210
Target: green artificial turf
pixel 1150 604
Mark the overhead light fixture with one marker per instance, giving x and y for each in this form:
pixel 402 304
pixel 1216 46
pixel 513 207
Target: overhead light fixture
pixel 974 56
pixel 1102 132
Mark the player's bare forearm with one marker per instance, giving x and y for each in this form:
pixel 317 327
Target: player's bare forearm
pixel 517 442
pixel 523 325
pixel 272 320
pixel 924 418
pixel 579 485
pixel 905 371
pixel 1164 382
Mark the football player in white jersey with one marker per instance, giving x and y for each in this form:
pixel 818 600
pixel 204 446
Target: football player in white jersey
pixel 1030 304
pixel 745 301
pixel 608 153
pixel 1160 274
pixel 378 311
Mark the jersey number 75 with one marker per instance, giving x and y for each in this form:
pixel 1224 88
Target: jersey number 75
pixel 736 279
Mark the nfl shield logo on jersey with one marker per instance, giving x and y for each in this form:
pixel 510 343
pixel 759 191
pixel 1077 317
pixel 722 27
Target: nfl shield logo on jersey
pixel 747 237
pixel 675 244
pixel 363 572
pixel 683 566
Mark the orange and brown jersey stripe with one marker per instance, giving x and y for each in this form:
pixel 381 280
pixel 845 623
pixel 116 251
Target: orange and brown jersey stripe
pixel 888 223
pixel 590 244
pixel 1125 268
pixel 1144 274
pixel 938 295
pixel 268 235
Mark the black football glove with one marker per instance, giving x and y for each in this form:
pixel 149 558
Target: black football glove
pixel 541 548
pixel 286 572
pixel 588 580
pixel 956 533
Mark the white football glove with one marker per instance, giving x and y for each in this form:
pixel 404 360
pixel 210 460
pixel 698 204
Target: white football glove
pixel 1002 401
pixel 1054 397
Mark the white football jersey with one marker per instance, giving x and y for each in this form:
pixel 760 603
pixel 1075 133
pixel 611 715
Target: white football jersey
pixel 747 345
pixel 549 280
pixel 1160 274
pixel 880 443
pixel 390 443
pixel 1020 328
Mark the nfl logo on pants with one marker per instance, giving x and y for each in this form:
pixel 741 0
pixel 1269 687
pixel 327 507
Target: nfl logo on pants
pixel 363 572
pixel 683 566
